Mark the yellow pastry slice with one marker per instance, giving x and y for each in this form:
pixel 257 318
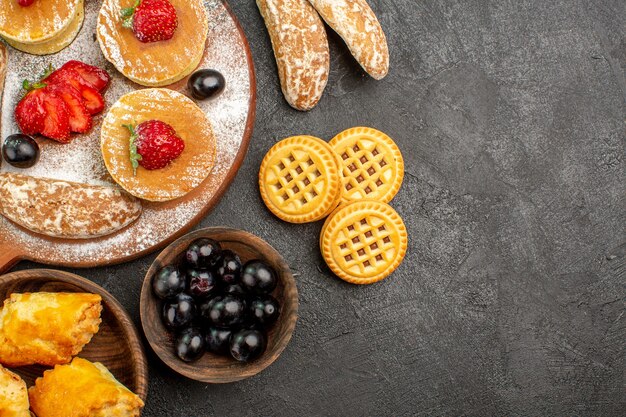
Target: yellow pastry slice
pixel 82 389
pixel 13 395
pixel 59 42
pixel 184 173
pixel 39 22
pixel 154 64
pixel 47 328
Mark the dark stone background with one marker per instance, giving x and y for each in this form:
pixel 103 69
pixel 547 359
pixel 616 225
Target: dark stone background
pixel 510 116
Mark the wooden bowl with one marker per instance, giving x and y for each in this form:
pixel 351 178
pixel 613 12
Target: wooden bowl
pixel 210 367
pixel 116 345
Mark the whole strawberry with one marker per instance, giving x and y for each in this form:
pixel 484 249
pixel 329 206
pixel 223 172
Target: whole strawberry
pixel 151 20
pixel 25 3
pixel 153 145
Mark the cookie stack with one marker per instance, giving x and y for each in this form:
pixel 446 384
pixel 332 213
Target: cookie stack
pixel 348 181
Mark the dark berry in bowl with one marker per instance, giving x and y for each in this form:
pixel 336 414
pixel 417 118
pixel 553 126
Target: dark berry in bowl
pixel 20 150
pixel 168 282
pixel 179 312
pixel 235 289
pixel 206 83
pixel 247 345
pixel 218 340
pixel 258 277
pixel 229 267
pixel 202 283
pixel 190 344
pixel 203 253
pixel 226 311
pixel 264 310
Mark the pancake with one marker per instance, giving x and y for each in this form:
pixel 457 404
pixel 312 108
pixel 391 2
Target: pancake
pixel 154 64
pixel 39 22
pixel 59 42
pixel 184 173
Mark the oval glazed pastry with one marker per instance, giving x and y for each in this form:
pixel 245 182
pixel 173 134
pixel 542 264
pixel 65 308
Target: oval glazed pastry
pixel 300 48
pixel 184 173
pixel 154 64
pixel 357 24
pixel 66 209
pixel 39 22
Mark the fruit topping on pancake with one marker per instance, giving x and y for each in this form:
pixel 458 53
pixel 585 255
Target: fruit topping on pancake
pixel 151 20
pixel 153 145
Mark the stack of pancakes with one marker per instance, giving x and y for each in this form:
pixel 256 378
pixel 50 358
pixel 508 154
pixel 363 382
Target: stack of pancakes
pixel 45 27
pixel 154 64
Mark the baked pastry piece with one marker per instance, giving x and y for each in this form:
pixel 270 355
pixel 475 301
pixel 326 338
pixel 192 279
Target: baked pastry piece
pixel 300 48
pixel 154 64
pixel 372 166
pixel 82 389
pixel 356 23
pixel 299 179
pixel 13 395
pixel 47 328
pixel 184 173
pixel 364 241
pixel 65 209
pixel 39 22
pixel 57 43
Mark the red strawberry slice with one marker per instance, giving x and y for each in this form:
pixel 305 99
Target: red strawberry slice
pixel 154 144
pixel 93 101
pixel 80 119
pixel 30 112
pixel 56 124
pixel 95 77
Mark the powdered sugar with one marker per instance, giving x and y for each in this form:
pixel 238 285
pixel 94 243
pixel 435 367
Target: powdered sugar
pixel 81 161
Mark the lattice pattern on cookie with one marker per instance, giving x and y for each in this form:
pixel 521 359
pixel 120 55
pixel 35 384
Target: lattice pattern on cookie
pixel 369 169
pixel 365 243
pixel 372 166
pixel 297 180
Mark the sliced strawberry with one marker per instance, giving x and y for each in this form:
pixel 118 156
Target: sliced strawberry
pixel 80 119
pixel 95 77
pixel 94 102
pixel 30 112
pixel 56 123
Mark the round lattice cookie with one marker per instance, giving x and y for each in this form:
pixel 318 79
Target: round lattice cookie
pixel 371 164
pixel 364 241
pixel 299 179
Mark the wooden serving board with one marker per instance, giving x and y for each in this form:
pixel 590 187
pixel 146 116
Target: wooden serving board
pixel 232 115
pixel 116 345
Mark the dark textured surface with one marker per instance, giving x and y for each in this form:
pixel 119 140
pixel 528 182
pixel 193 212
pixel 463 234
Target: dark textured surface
pixel 510 115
